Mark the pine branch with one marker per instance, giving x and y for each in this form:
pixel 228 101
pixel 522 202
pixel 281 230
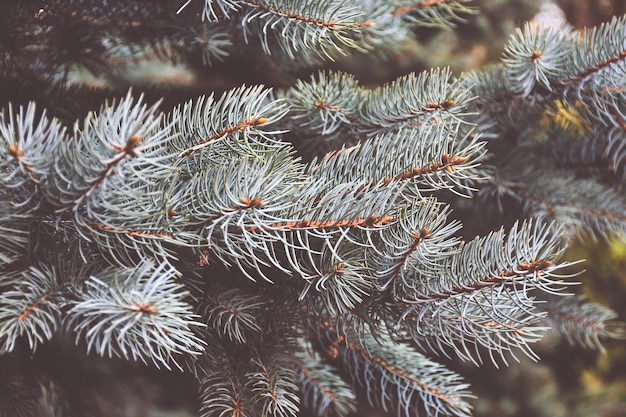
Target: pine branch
pixel 327 104
pixel 323 27
pixel 437 157
pixel 136 314
pixel 437 13
pixel 120 134
pixel 396 377
pixel 536 58
pixel 25 145
pixel 416 244
pixel 273 388
pixel 241 113
pixel 582 322
pixel 214 10
pixel 322 390
pixel 600 53
pixel 199 239
pixel 412 100
pixel 583 206
pixel 483 295
pixel 213 43
pixel 30 307
pixel 222 396
pixel 232 313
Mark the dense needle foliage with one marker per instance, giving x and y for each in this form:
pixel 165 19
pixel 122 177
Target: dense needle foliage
pixel 294 249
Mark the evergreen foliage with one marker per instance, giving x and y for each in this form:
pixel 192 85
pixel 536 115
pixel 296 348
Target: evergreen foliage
pixel 293 247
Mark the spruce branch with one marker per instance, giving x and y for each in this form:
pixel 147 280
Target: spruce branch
pixel 137 314
pixel 222 396
pixel 232 312
pixel 398 378
pixel 483 296
pixel 250 381
pixel 30 307
pixel 27 144
pixel 599 57
pixel 437 157
pixel 323 27
pixel 26 141
pixel 536 58
pixel 576 148
pixel 272 386
pixel 585 209
pixel 326 104
pixel 581 322
pixel 121 137
pixel 432 13
pixel 214 10
pixel 241 113
pixel 415 99
pixel 341 279
pixel 214 44
pixel 497 107
pixel 322 390
pixel 117 153
pixel 200 239
pixel 415 244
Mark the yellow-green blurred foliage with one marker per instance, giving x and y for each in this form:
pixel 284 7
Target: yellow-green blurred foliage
pixel 604 281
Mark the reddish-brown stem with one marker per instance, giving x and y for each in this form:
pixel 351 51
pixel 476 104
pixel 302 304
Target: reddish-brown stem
pixel 34 306
pixel 576 319
pixel 324 225
pixel 359 350
pixel 447 163
pixel 133 233
pixel 19 155
pixel 253 121
pixel 397 371
pixel 324 105
pixel 129 149
pixel 143 308
pixel 331 397
pixel 522 269
pixel 290 15
pixel 418 6
pixel 418 238
pixel 596 68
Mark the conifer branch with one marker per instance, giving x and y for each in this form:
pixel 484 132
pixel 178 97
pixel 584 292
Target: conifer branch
pixel 600 48
pixel 326 104
pixel 138 314
pixel 206 122
pixel 438 159
pixel 428 97
pixel 595 211
pixel 582 322
pixel 438 13
pixel 323 391
pixel 30 307
pixel 232 313
pixel 273 387
pixel 223 396
pixel 213 10
pixel 322 27
pixel 454 299
pixel 410 379
pixel 202 239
